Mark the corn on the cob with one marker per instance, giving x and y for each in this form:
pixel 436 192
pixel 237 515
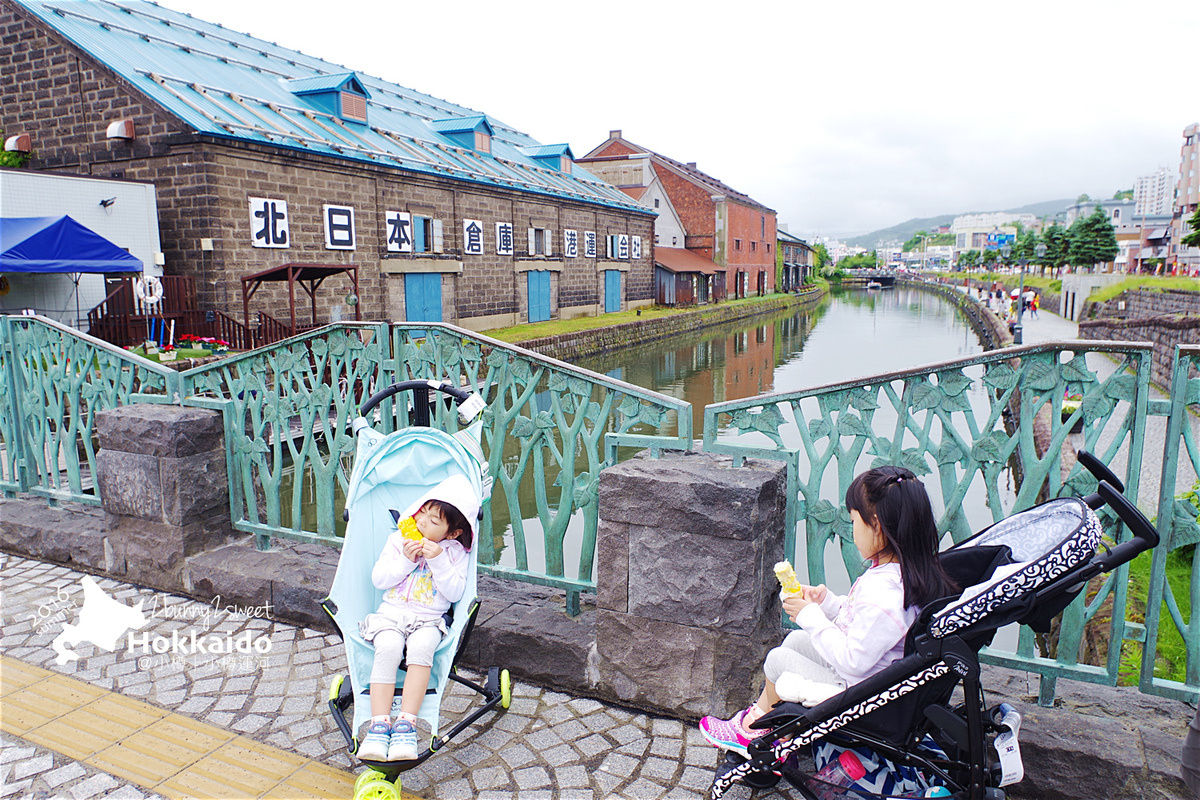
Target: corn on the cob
pixel 787 578
pixel 408 529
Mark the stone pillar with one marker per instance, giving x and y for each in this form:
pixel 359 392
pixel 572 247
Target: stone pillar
pixel 687 602
pixel 163 485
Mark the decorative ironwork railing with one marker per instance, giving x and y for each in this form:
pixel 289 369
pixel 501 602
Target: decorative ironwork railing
pixel 54 379
pixel 1177 523
pixel 549 430
pixel 991 427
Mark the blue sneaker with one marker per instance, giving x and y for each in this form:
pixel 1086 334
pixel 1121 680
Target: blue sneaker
pixel 374 745
pixel 403 744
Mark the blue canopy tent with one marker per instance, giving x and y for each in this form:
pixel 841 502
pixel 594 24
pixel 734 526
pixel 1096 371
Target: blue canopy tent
pixel 59 245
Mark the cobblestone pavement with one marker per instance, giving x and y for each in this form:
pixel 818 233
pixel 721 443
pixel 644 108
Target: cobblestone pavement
pixel 546 745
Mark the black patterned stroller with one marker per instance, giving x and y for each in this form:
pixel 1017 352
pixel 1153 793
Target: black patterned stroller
pixel 392 472
pixel 1026 568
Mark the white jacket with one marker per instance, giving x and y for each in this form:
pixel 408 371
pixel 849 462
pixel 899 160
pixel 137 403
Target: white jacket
pixel 863 632
pixel 426 588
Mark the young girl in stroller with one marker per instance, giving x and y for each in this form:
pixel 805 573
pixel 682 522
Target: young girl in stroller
pixel 844 640
pixel 423 567
pixel 924 721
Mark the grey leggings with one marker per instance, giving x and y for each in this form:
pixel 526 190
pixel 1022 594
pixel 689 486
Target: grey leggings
pixel 798 655
pixel 389 651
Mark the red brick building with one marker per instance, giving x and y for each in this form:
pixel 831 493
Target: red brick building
pixel 263 156
pixel 721 224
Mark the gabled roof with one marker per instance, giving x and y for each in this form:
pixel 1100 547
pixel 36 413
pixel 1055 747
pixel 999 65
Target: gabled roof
pixel 327 83
pixel 462 124
pixel 232 86
pixel 548 151
pixel 689 172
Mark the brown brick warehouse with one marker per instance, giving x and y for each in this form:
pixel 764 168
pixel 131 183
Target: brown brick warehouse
pixel 222 121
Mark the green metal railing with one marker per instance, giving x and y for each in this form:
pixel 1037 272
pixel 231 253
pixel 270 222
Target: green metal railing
pixel 991 426
pixel 549 430
pixel 1177 525
pixel 54 379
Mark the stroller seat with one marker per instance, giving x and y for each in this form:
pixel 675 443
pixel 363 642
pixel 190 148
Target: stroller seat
pixel 393 473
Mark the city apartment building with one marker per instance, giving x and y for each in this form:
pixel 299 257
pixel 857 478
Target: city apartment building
pixel 1187 196
pixel 1152 194
pixel 263 156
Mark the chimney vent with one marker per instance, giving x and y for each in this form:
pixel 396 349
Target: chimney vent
pixel 691 164
pixel 614 134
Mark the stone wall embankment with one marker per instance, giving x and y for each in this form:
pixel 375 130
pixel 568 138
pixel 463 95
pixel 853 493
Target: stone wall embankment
pixel 1163 318
pixel 1164 332
pixel 581 344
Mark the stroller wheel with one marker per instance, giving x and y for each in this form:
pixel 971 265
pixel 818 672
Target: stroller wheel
pixel 505 689
pixel 378 789
pixel 366 777
pixel 755 780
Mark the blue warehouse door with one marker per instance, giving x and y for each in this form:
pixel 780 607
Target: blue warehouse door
pixel 539 295
pixel 423 297
pixel 612 290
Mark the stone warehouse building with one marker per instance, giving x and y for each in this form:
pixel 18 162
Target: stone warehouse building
pixel 264 156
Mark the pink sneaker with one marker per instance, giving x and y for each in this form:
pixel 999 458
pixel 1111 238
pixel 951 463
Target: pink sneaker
pixel 726 734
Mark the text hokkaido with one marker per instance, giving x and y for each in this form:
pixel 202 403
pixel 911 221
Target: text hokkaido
pixel 192 643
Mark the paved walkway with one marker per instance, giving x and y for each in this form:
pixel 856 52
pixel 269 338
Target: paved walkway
pixel 129 725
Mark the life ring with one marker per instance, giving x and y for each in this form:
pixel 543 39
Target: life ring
pixel 148 289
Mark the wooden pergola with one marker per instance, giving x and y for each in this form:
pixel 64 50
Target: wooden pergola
pixel 310 277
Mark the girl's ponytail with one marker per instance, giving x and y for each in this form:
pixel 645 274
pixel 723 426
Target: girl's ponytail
pixel 896 500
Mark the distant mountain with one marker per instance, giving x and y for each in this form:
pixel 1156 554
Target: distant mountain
pixel 898 234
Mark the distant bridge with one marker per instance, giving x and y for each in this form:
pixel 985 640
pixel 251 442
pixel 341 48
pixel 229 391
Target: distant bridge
pixel 861 277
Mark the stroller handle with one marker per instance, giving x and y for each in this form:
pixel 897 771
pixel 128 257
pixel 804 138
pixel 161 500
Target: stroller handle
pixel 1144 537
pixel 420 389
pixel 1100 472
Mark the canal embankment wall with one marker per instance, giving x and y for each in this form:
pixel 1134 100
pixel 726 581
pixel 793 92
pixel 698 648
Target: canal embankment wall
pixel 1163 318
pixel 595 341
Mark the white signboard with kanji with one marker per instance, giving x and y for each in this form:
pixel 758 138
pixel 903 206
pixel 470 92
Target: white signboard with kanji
pixel 589 244
pixel 269 222
pixel 635 247
pixel 399 231
pixel 623 247
pixel 339 227
pixel 504 239
pixel 472 237
pixel 571 244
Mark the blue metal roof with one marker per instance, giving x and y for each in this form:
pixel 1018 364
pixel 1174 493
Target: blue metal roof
pixel 232 85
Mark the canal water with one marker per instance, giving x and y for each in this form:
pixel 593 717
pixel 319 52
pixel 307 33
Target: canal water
pixel 852 333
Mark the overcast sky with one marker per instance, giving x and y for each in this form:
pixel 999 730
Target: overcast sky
pixel 845 117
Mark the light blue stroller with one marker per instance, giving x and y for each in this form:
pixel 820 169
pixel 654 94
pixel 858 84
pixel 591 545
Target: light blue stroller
pixel 391 472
